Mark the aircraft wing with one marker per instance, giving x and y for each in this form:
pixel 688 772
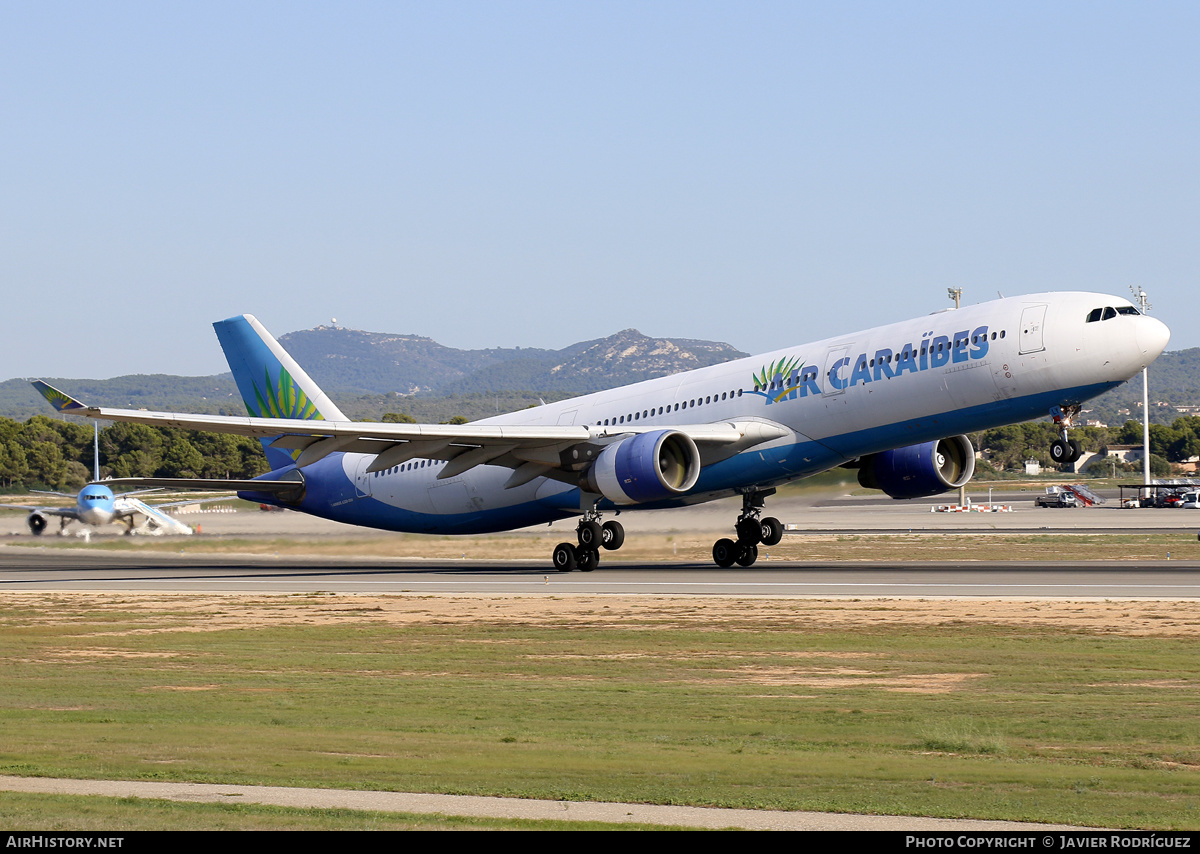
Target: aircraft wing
pixel 531 450
pixel 45 511
pixel 188 502
pixel 149 484
pixel 126 504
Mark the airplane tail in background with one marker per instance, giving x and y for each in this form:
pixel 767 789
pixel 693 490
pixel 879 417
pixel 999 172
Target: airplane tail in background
pixel 271 383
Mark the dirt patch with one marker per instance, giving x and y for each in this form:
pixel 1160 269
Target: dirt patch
pixel 108 615
pixel 111 653
pixel 844 677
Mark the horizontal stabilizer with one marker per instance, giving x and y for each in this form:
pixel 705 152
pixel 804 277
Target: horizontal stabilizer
pixel 200 483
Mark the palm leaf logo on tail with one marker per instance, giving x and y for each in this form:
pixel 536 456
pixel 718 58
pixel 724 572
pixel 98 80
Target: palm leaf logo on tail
pixel 779 379
pixel 283 398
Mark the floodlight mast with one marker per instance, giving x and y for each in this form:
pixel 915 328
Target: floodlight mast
pixel 956 295
pixel 1143 301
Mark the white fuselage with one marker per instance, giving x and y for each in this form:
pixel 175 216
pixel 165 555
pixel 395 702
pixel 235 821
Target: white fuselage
pixel 951 372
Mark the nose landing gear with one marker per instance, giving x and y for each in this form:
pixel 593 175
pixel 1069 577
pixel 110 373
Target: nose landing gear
pixel 1064 450
pixel 751 531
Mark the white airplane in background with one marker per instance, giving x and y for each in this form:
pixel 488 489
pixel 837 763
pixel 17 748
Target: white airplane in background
pixel 96 505
pixel 893 401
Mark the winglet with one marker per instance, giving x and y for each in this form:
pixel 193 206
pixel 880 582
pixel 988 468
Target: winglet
pixel 61 401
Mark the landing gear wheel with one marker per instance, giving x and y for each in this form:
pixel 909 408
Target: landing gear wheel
pixel 565 557
pixel 612 536
pixel 725 553
pixel 747 554
pixel 590 535
pixel 749 530
pixel 752 528
pixel 587 559
pixel 1064 450
pixel 772 531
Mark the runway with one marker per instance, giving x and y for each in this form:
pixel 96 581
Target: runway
pixel 25 565
pixel 37 570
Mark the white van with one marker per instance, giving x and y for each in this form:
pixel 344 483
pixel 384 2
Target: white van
pixel 1191 499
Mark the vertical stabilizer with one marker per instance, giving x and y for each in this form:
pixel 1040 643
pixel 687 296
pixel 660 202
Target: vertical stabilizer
pixel 271 383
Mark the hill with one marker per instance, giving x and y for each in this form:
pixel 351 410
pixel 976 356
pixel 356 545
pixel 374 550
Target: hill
pixel 350 360
pixel 1174 383
pixel 372 373
pixel 369 373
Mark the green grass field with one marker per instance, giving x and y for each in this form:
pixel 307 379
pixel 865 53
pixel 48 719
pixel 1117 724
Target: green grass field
pixel 1068 713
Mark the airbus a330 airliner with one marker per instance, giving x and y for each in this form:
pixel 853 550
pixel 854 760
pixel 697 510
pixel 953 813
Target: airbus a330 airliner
pixel 893 401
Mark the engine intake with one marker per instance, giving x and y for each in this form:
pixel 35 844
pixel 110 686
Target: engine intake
pixel 37 522
pixel 645 467
pixel 919 471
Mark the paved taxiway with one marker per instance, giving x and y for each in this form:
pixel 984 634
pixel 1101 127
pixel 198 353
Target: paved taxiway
pixel 518 808
pixel 25 566
pixel 820 511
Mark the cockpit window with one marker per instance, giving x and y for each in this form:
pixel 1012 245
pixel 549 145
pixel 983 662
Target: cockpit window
pixel 1108 312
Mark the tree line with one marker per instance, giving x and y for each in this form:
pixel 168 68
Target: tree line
pixel 50 453
pixel 1008 447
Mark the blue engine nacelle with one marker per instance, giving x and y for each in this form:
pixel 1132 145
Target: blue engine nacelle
pixel 646 467
pixel 919 471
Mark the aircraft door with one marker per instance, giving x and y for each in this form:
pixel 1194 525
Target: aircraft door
pixel 1033 321
pixel 451 498
pixel 362 477
pixel 1004 375
pixel 836 360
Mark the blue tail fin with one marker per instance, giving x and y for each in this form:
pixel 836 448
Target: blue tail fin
pixel 271 383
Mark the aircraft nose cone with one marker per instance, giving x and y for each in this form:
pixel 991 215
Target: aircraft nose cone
pixel 1152 338
pixel 96 516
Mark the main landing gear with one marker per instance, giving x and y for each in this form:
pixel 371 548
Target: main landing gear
pixel 592 536
pixel 751 531
pixel 1064 450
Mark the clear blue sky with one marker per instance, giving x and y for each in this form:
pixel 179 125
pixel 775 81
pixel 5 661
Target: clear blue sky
pixel 535 174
